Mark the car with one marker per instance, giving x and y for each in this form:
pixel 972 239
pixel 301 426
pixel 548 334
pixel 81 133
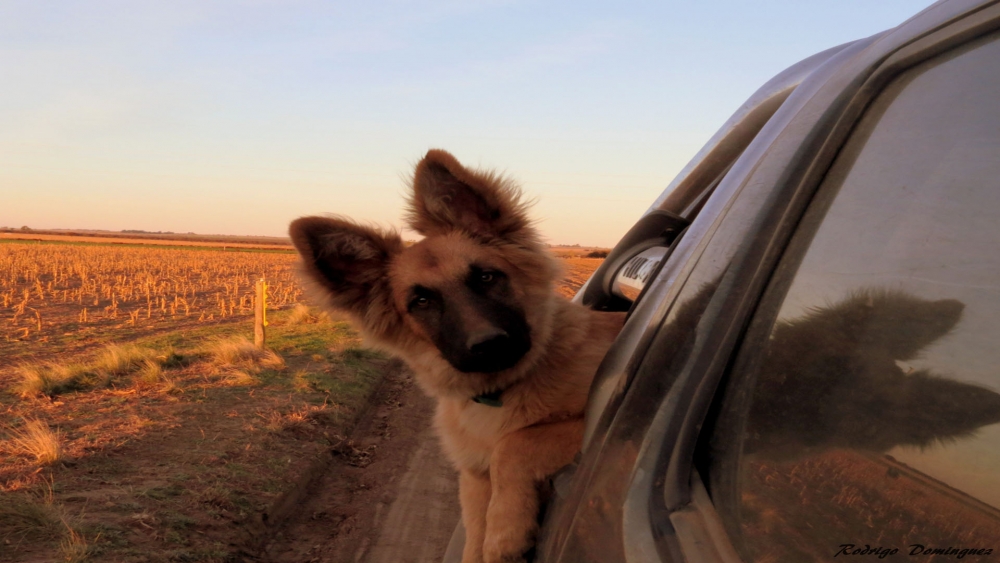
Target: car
pixel 809 368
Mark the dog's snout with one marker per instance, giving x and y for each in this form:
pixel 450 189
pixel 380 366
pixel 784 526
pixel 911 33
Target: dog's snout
pixel 490 349
pixel 481 335
pixel 485 339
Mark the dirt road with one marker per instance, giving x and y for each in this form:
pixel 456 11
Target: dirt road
pixel 389 495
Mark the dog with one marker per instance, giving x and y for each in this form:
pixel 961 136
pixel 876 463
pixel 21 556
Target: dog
pixel 473 310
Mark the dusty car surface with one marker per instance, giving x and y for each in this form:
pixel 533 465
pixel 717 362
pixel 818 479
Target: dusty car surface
pixel 811 366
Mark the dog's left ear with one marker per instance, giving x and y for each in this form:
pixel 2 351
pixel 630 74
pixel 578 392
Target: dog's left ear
pixel 449 197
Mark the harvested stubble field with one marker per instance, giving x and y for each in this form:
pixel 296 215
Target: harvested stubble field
pixel 58 298
pixel 149 429
pixel 578 263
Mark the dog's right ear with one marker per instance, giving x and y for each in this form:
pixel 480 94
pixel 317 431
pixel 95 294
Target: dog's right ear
pixel 347 261
pixel 448 197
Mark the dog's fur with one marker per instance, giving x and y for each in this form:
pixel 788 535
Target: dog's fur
pixel 472 309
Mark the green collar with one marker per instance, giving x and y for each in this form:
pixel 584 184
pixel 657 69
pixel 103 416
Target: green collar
pixel 489 399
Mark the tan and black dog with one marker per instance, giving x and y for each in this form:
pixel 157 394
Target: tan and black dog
pixel 472 309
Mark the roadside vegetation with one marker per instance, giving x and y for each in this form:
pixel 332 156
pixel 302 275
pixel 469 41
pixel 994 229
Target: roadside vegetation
pixel 173 447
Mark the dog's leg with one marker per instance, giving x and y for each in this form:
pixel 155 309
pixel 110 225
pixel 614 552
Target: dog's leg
pixel 474 494
pixel 519 462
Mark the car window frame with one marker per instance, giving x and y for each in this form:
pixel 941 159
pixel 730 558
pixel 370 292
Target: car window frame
pixel 984 24
pixel 835 104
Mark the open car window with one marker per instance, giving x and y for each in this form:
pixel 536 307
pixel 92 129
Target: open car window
pixel 863 410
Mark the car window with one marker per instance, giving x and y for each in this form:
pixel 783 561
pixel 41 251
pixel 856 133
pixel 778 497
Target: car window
pixel 861 415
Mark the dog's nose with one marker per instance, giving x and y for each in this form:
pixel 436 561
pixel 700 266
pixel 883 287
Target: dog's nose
pixel 485 339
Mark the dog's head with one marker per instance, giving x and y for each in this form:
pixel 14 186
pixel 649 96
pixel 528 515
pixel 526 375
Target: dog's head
pixel 469 306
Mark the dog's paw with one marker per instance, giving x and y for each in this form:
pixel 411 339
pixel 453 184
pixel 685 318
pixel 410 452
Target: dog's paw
pixel 506 548
pixel 505 559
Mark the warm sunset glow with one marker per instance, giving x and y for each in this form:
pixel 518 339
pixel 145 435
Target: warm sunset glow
pixel 236 117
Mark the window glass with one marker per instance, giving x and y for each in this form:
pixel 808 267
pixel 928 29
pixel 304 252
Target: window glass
pixel 863 410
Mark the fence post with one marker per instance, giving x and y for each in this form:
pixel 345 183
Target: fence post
pixel 259 315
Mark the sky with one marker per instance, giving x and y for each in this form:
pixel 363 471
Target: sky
pixel 235 117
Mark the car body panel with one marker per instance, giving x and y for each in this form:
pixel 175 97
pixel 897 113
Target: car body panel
pixel 633 496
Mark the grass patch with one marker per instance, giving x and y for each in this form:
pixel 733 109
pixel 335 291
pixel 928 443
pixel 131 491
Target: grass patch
pixel 113 363
pixel 163 493
pixel 304 314
pixel 50 378
pixel 38 440
pixel 116 361
pixel 27 519
pixel 24 518
pixel 240 361
pixel 73 547
pixel 301 314
pixel 241 353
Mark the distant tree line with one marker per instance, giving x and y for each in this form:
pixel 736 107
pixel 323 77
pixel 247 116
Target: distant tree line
pixel 140 231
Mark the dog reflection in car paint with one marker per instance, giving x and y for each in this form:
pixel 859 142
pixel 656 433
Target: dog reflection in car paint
pixel 830 379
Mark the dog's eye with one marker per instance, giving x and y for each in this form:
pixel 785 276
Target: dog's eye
pixel 481 280
pixel 423 298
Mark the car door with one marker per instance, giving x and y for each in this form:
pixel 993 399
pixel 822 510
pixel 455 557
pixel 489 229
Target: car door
pixel 686 412
pixel 862 414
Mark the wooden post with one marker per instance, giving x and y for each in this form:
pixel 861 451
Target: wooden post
pixel 259 322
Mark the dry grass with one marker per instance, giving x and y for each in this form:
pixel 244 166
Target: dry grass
pixel 301 314
pixel 49 378
pixel 304 314
pixel 74 547
pixel 24 518
pixel 150 373
pixel 240 352
pixel 239 361
pixel 28 518
pixel 118 360
pixel 19 512
pixel 38 440
pixel 114 362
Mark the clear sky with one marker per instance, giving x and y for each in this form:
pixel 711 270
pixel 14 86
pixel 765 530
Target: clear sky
pixel 236 117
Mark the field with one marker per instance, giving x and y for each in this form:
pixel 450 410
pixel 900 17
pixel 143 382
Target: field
pixel 58 298
pixel 140 424
pixel 577 263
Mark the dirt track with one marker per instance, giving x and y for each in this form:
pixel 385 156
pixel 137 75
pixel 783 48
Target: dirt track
pixel 389 495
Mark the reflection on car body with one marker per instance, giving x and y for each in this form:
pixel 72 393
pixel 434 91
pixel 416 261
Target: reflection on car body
pixel 830 380
pixel 829 399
